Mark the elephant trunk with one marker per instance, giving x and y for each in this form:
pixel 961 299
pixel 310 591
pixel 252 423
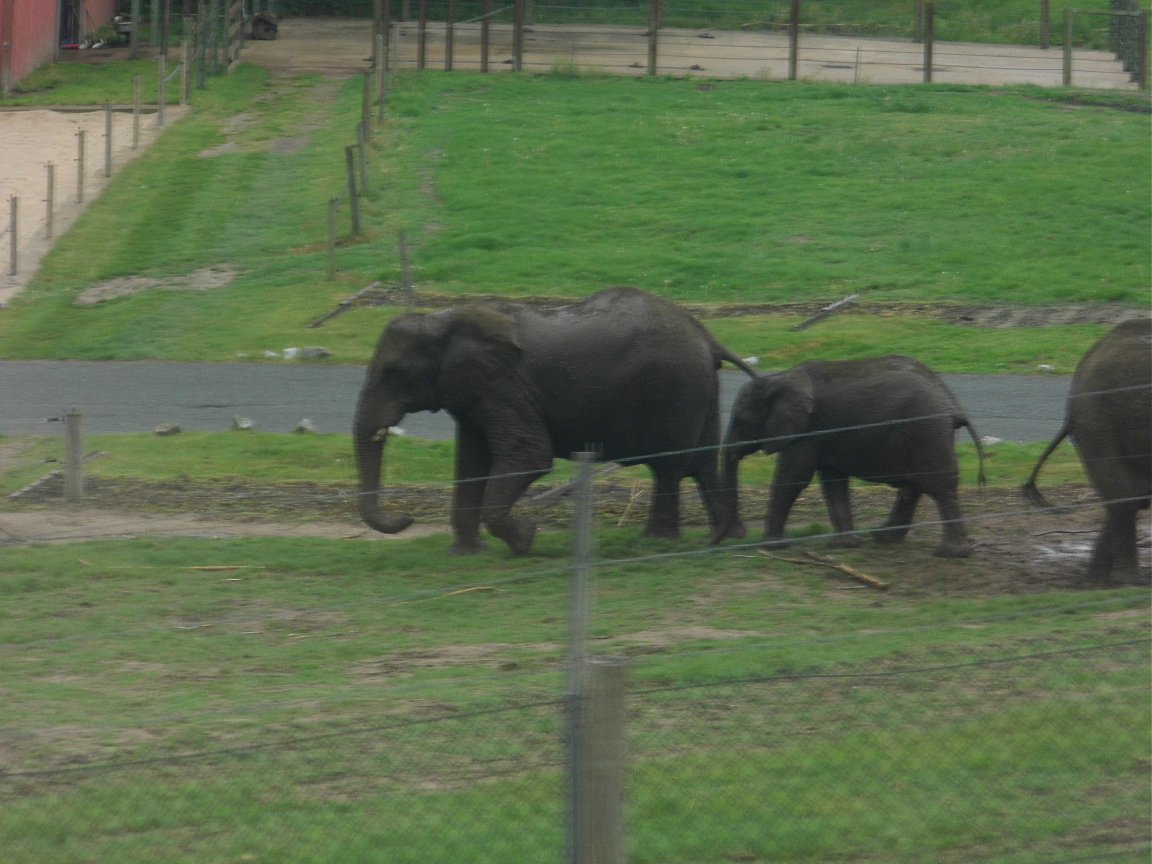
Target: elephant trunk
pixel 369 434
pixel 730 524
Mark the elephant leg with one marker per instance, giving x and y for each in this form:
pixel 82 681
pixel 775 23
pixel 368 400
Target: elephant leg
pixel 895 529
pixel 1114 556
pixel 473 465
pixel 664 514
pixel 792 477
pixel 838 499
pixel 955 542
pixel 503 490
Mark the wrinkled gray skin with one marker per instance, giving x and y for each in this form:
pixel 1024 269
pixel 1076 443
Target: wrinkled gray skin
pixel 1109 418
pixel 873 401
pixel 623 372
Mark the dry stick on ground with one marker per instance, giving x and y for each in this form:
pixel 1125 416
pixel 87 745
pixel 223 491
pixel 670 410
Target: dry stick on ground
pixel 826 311
pixel 816 560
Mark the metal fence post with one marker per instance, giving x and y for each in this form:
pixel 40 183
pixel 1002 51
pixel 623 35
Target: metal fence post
pixel 74 463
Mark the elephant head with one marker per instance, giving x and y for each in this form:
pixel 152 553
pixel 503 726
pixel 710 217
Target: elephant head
pixel 769 412
pixel 445 360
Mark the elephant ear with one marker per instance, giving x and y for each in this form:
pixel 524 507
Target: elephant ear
pixel 789 402
pixel 481 348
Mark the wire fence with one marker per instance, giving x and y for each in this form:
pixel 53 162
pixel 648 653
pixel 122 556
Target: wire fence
pixel 1017 754
pixel 1028 746
pixel 810 40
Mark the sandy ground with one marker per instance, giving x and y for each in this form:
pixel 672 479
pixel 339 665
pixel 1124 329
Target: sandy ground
pixel 30 141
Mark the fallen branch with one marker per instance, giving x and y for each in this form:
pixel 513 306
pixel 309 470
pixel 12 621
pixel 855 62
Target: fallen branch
pixel 565 488
pixel 815 560
pixel 826 311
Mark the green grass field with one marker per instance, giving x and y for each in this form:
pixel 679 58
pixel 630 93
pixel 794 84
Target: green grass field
pixel 739 193
pixel 299 700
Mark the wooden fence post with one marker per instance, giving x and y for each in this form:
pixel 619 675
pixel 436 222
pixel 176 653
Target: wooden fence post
pixel 602 763
pixel 655 16
pixel 74 462
pixel 1142 41
pixel 333 204
pixel 1068 17
pixel 485 33
pixel 13 212
pixel 1045 24
pixel 422 35
pixel 518 16
pixel 50 202
pixel 449 34
pixel 107 140
pixel 793 39
pixel 137 89
pixel 80 166
pixel 353 198
pixel 929 39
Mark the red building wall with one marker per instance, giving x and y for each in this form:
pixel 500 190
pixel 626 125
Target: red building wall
pixel 30 33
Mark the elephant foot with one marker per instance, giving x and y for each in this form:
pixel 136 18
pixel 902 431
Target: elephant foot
pixel 953 550
pixel 774 542
pixel 890 536
pixel 518 534
pixel 736 531
pixel 467 548
pixel 662 532
pixel 845 541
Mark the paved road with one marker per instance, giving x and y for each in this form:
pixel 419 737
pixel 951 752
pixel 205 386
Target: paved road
pixel 136 397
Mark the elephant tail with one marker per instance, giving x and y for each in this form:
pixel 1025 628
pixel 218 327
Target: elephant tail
pixel 725 354
pixel 981 477
pixel 1029 488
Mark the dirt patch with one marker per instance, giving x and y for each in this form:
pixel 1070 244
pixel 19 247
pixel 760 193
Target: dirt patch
pixel 994 316
pixel 204 279
pixel 1018 549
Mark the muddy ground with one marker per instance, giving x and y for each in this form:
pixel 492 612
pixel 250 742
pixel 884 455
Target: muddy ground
pixel 1018 549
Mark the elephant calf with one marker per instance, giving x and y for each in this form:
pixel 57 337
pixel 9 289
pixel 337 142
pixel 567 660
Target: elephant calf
pixel 886 420
pixel 1109 417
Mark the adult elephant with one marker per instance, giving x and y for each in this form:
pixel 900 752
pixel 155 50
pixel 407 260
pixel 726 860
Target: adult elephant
pixel 624 372
pixel 1108 415
pixel 885 419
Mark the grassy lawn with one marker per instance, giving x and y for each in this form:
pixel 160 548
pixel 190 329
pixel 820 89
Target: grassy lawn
pixel 733 193
pixel 193 700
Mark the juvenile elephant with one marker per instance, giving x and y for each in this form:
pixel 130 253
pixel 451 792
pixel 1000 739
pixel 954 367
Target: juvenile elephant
pixel 622 371
pixel 1109 417
pixel 887 420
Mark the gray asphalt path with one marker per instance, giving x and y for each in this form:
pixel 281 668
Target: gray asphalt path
pixel 137 397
